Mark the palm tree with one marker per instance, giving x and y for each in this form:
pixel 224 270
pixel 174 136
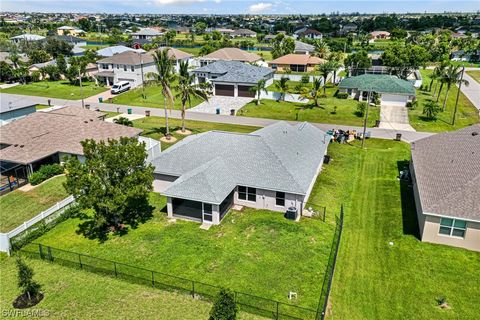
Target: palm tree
pixel 437 74
pixel 452 76
pixel 187 89
pixel 314 92
pixel 283 87
pixel 15 58
pixel 325 69
pixel 335 59
pixel 164 76
pixel 430 109
pixel 321 49
pixel 258 88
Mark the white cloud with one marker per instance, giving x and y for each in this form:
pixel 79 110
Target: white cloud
pixel 259 7
pixel 170 2
pixel 217 1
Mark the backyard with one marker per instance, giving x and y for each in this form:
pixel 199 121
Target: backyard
pixel 19 206
pixel 61 89
pixel 467 113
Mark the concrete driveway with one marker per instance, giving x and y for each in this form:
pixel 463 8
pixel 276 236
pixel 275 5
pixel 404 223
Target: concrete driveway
pixel 394 117
pixel 224 103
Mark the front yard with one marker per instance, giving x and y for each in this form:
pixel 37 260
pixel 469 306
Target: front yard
pixel 61 89
pixel 474 74
pixel 19 206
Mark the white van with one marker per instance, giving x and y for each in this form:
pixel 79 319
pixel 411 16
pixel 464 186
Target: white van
pixel 120 87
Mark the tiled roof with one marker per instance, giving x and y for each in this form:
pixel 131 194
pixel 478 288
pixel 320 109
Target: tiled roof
pixel 279 157
pixel 447 173
pixel 235 71
pixel 42 134
pixel 128 58
pixel 232 54
pixel 380 83
pixel 176 54
pixel 301 59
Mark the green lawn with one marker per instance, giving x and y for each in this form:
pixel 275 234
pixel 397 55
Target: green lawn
pixel 95 46
pixel 19 206
pixel 75 294
pixel 475 75
pixel 195 51
pixel 467 113
pixel 345 112
pixel 154 98
pixel 42 106
pixel 154 127
pixel 56 89
pixel 374 280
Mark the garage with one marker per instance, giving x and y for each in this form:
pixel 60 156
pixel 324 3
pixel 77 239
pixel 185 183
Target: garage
pixel 224 90
pixel 394 100
pixel 187 209
pixel 246 91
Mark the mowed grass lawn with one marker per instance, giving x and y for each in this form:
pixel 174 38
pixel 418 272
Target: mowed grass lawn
pixel 19 206
pixel 74 294
pixel 154 98
pixel 467 114
pixel 374 280
pixel 345 112
pixel 61 89
pixel 475 74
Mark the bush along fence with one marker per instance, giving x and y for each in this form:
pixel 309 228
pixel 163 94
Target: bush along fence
pixel 34 227
pixel 247 302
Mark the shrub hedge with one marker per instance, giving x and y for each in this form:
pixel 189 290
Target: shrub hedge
pixel 45 172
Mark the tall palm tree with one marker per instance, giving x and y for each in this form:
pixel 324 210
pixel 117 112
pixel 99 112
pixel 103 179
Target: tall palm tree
pixel 321 49
pixel 283 87
pixel 335 59
pixel 258 88
pixel 164 77
pixel 187 89
pixel 325 69
pixel 437 74
pixel 313 93
pixel 451 77
pixel 15 58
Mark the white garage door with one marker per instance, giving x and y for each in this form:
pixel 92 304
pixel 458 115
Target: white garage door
pixel 394 100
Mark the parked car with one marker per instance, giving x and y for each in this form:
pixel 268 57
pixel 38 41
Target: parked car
pixel 120 87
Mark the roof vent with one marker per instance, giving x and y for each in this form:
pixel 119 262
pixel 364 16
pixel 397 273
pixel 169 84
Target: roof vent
pixel 474 133
pixel 15 145
pixel 21 146
pixel 85 121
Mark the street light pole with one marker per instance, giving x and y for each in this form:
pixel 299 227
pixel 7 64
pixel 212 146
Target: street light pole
pixel 81 87
pixel 366 119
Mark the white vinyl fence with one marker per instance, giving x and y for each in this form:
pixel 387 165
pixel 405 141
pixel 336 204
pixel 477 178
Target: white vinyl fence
pixel 290 97
pixel 58 208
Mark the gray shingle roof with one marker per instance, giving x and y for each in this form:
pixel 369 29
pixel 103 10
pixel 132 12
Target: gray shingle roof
pixel 279 157
pixel 235 71
pixel 380 83
pixel 447 172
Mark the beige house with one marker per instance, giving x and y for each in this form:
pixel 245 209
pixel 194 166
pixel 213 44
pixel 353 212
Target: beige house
pixel 229 54
pixel 380 35
pixel 68 30
pixel 445 170
pixel 295 62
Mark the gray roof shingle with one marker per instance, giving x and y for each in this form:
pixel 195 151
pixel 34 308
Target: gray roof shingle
pixel 235 71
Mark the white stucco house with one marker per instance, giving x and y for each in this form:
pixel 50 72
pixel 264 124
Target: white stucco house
pixel 273 168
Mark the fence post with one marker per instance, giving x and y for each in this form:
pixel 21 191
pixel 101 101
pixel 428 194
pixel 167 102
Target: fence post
pixel 49 250
pixel 80 260
pixel 115 268
pixel 153 280
pixel 40 251
pixel 277 317
pixel 193 289
pixel 324 214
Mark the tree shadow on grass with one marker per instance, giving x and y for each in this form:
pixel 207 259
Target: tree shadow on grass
pixel 409 214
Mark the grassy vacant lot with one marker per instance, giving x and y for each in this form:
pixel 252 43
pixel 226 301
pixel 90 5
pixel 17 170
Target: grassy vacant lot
pixel 345 110
pixel 19 206
pixel 467 113
pixel 55 89
pixel 154 127
pixel 374 280
pixel 75 294
pixel 475 75
pixel 154 98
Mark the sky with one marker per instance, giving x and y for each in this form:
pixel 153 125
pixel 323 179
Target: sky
pixel 238 6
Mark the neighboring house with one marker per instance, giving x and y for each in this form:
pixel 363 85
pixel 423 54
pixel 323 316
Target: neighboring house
pixel 233 78
pixel 38 66
pixel 128 66
pixel 177 55
pixel 461 55
pixel 295 62
pixel 229 54
pixel 379 35
pixel 27 38
pixel 146 33
pixel 303 48
pixel 181 30
pixel 392 90
pixel 223 31
pixel 15 107
pixel 5 56
pixel 273 168
pixel 47 137
pixel 75 41
pixel 68 30
pixel 243 33
pixel 307 33
pixel 348 28
pixel 110 51
pixel 445 171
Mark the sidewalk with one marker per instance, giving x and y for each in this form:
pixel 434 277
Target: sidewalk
pixel 472 91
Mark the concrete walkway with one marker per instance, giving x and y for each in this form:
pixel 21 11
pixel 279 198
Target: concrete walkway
pixel 8 85
pixel 394 118
pixel 381 133
pixel 472 91
pixel 225 104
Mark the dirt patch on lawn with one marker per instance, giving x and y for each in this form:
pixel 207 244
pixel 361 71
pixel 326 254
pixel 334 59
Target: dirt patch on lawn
pixel 23 302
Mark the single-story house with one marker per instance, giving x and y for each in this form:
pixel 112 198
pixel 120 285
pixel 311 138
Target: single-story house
pixel 27 38
pixel 5 56
pixel 14 107
pixel 243 33
pixel 110 51
pixel 303 48
pixel 392 90
pixel 378 35
pixel 233 78
pixel 295 62
pixel 273 168
pixel 229 54
pixel 223 31
pixel 307 33
pixel 445 171
pixel 146 33
pixel 75 41
pixel 348 28
pixel 68 30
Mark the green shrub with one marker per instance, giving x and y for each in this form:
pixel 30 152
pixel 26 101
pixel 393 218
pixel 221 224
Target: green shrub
pixel 224 307
pixel 361 108
pixel 305 79
pixel 342 95
pixel 45 172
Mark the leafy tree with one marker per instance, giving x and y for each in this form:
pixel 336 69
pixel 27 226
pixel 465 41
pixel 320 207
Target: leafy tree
pixel 169 36
pixel 55 47
pixel 282 86
pixel 361 109
pixel 61 63
pixel 282 46
pixel 216 35
pixel 21 73
pixel 114 183
pixel 224 306
pixel 431 109
pixel 200 27
pixel 358 60
pixel 314 92
pixel 452 76
pixel 38 56
pixel 6 71
pixel 51 71
pixel 258 88
pixel 35 76
pixel 187 89
pixel 398 33
pixel 123 121
pixel 403 60
pixel 206 49
pixel 15 58
pixel 26 284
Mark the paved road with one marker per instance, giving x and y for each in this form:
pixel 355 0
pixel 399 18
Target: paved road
pixel 472 91
pixel 407 136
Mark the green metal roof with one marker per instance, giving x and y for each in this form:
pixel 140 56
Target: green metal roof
pixel 380 83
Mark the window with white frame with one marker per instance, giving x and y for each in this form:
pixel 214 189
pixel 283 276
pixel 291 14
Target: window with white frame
pixel 280 199
pixel 246 193
pixel 453 227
